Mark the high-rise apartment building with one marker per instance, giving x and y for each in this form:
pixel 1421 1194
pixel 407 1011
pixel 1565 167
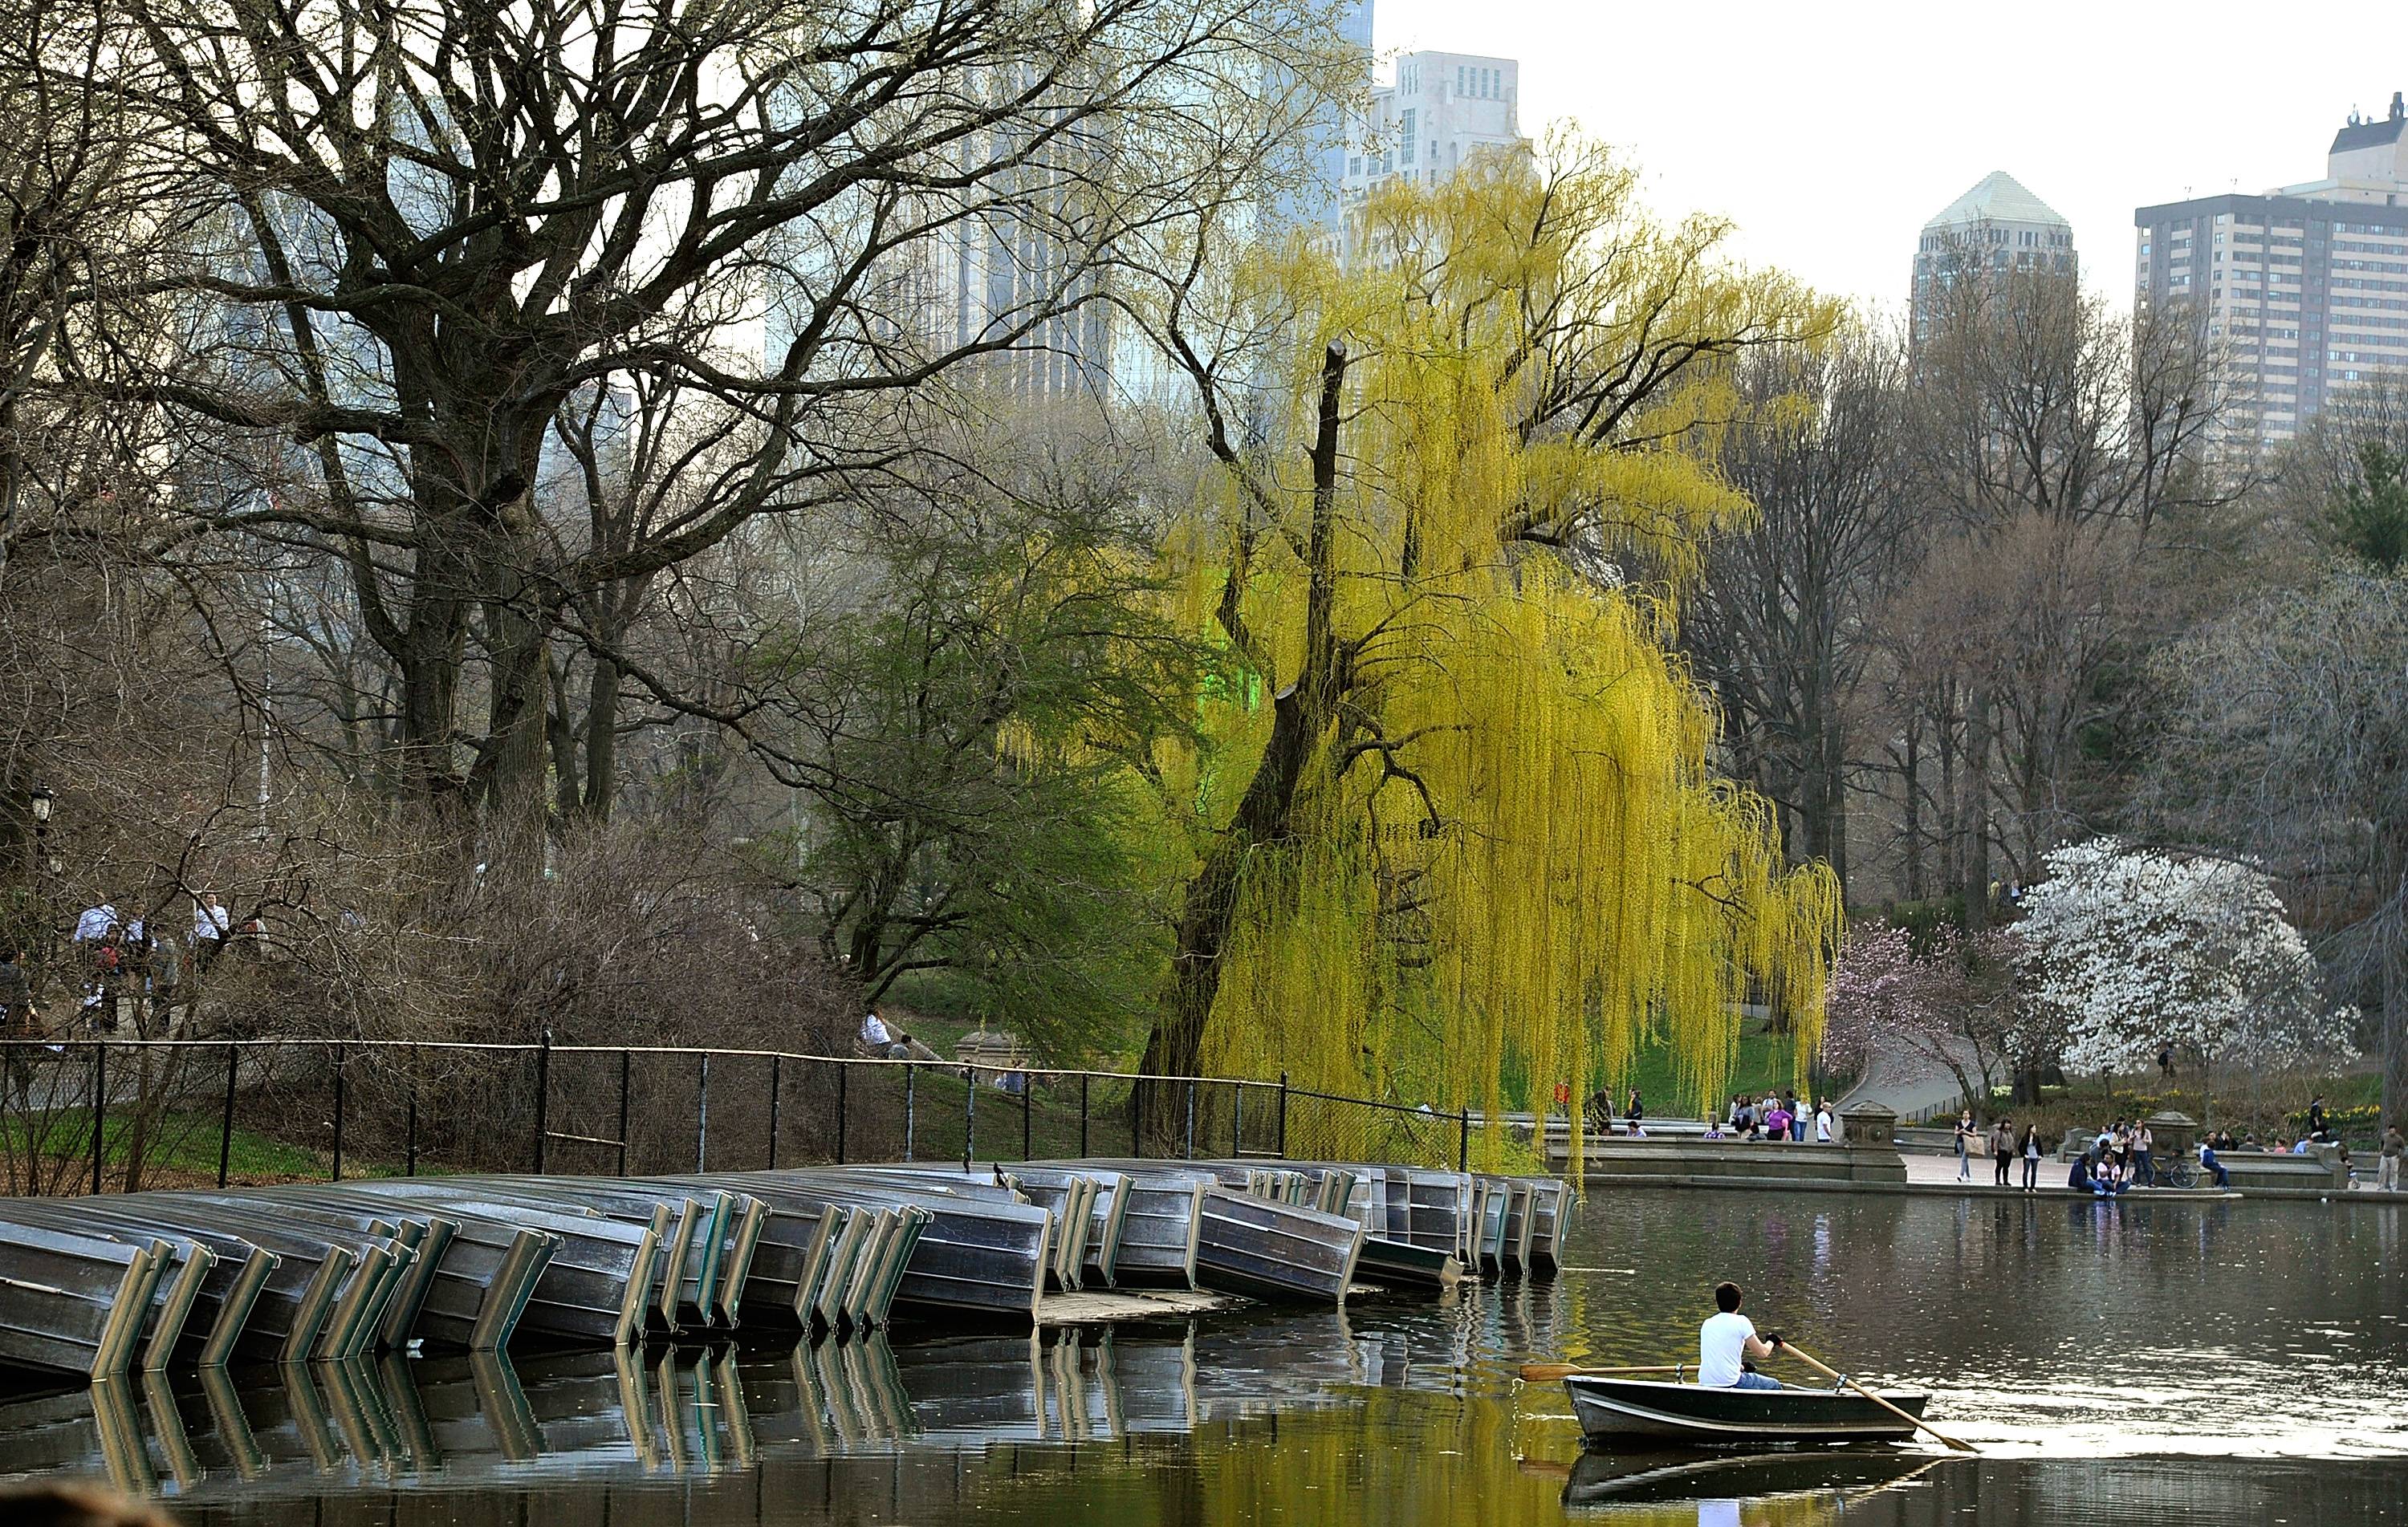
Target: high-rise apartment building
pixel 2306 286
pixel 1444 111
pixel 1994 229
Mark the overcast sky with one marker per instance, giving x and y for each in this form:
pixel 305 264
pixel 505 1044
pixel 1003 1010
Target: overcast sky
pixel 1831 132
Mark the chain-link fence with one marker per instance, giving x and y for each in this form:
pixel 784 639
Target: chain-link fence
pixel 88 1116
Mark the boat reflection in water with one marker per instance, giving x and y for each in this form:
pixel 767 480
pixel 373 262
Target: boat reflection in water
pixel 1805 1485
pixel 489 1424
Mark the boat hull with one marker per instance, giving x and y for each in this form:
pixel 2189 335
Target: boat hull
pixel 1615 1412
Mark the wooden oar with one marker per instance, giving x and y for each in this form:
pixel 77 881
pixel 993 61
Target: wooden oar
pixel 1791 1348
pixel 1553 1373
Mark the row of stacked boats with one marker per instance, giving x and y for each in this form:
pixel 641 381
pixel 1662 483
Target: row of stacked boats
pixel 202 1279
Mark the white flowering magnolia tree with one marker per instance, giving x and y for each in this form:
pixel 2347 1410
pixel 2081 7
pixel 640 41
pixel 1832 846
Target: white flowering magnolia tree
pixel 2125 949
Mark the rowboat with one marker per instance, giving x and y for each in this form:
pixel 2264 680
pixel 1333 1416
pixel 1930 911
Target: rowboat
pixel 1617 1412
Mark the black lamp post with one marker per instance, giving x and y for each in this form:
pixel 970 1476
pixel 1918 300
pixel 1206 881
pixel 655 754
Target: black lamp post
pixel 38 803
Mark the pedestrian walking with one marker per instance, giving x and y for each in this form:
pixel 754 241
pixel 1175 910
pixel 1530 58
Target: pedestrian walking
pixel 2395 1147
pixel 1823 1122
pixel 17 1018
pixel 108 981
pixel 1965 1146
pixel 211 922
pixel 2002 1151
pixel 2031 1158
pixel 166 968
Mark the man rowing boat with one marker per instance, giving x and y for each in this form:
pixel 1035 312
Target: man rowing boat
pixel 1728 1340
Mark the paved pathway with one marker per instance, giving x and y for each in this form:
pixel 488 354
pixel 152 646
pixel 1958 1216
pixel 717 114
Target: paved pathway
pixel 1912 1086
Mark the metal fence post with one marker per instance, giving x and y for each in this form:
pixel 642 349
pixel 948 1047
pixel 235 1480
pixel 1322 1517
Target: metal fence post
pixel 776 1065
pixel 99 1105
pixel 624 1068
pixel 1282 1116
pixel 910 1105
pixel 702 1117
pixel 1027 1116
pixel 225 1124
pixel 970 1116
pixel 1463 1140
pixel 542 1099
pixel 410 1129
pixel 336 1173
pixel 1082 1113
pixel 1238 1121
pixel 842 1071
pixel 1191 1119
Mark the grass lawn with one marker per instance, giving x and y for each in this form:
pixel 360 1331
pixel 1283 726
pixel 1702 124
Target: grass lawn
pixel 182 1152
pixel 1764 1065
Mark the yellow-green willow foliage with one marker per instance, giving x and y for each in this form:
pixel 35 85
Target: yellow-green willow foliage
pixel 1509 856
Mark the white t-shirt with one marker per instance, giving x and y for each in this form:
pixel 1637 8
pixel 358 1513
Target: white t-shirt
pixel 873 1033
pixel 1722 1342
pixel 1823 1126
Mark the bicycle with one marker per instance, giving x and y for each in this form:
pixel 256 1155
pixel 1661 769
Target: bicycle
pixel 2177 1173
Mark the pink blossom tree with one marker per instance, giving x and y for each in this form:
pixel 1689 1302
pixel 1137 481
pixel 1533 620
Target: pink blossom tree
pixel 1946 1003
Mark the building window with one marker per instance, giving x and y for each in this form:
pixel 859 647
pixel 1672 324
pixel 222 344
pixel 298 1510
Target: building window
pixel 1405 136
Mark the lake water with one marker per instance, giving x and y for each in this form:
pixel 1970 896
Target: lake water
pixel 2115 1364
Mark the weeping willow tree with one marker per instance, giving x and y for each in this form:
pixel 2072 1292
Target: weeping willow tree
pixel 1474 832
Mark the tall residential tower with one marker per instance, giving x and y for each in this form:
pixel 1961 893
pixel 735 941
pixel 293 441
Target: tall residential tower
pixel 2306 285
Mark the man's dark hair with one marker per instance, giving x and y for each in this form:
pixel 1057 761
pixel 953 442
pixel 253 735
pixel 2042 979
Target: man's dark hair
pixel 1727 1297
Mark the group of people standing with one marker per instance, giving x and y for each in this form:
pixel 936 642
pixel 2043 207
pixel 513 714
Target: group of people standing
pixel 2004 1145
pixel 125 968
pixel 2123 1156
pixel 1781 1119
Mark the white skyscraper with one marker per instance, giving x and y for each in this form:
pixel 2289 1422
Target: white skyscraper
pixel 1996 227
pixel 1443 111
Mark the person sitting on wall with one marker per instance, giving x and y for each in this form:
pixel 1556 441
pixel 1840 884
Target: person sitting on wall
pixel 880 1040
pixel 2210 1164
pixel 1600 1110
pixel 2079 1178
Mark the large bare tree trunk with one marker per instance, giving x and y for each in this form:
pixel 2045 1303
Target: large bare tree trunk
pixel 1975 800
pixel 1301 715
pixel 2394 933
pixel 1912 773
